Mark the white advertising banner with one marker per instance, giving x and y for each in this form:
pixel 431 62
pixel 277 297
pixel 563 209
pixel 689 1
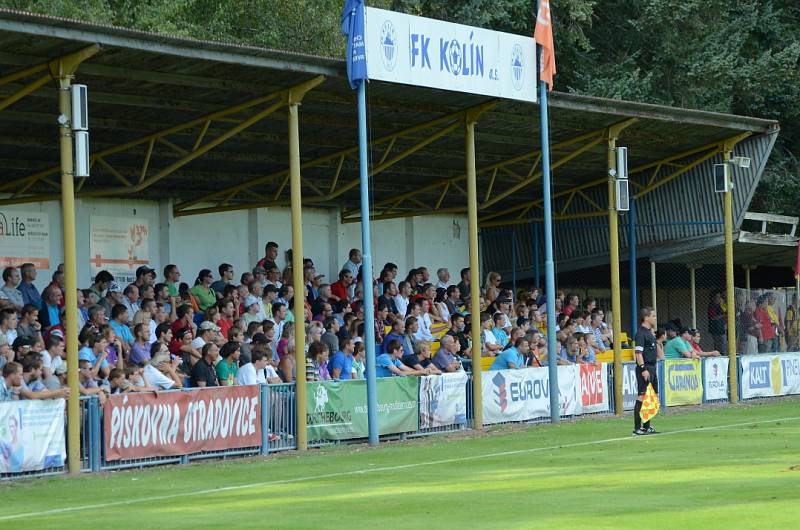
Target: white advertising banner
pixel 761 376
pixel 436 54
pixel 119 245
pixel 790 373
pixel 520 395
pixel 715 377
pixel 31 435
pixel 629 388
pixel 443 400
pixel 24 238
pixel 594 387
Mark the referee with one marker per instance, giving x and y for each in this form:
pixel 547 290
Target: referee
pixel 646 356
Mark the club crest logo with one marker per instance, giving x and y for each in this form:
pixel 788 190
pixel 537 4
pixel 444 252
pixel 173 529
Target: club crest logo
pixel 389 45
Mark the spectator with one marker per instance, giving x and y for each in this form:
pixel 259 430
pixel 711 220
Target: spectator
pixel 358 361
pixel 226 316
pixel 317 362
pixel 270 253
pixel 573 302
pixel 162 373
pixel 203 372
pixel 678 346
pixel 457 331
pixel 206 332
pixel 330 337
pixel 490 344
pixel 402 298
pixel 353 264
pixel 410 336
pixel 717 326
pixel 29 322
pixel 32 386
pixel 225 279
pixel 421 360
pixel 258 371
pixel 145 276
pixel 339 289
pixel 228 367
pixel 95 353
pixel 119 323
pixel 285 296
pixel 8 325
pixel 388 364
pixel 423 331
pixel 171 278
pixel 140 349
pixel 341 365
pixel 278 317
pixel 499 330
pixel 514 357
pixel 444 278
pixel 202 291
pixel 181 346
pixel 452 300
pixel 445 358
pixel 388 299
pixel 9 291
pixel 694 342
pixel 53 356
pixel 596 323
pixel 273 277
pixel 11 383
pixel 130 299
pixel 113 297
pixel 30 294
pixel 288 364
pixel 101 282
pixel 766 329
pixel 252 309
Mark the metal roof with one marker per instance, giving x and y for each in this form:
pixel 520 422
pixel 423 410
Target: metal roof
pixel 142 83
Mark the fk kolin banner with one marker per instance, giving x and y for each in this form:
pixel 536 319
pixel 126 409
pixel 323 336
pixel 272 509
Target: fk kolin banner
pixel 443 400
pixel 337 410
pixel 31 435
pixel 144 425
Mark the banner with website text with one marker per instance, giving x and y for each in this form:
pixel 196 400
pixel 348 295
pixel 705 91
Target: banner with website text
pixel 715 378
pixel 770 375
pixel 24 238
pixel 144 425
pixel 443 400
pixel 32 435
pixel 683 383
pixel 337 410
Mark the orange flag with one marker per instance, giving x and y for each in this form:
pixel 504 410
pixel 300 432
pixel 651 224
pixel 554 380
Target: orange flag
pixel 543 35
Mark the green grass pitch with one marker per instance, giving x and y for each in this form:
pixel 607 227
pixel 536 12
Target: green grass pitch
pixel 726 467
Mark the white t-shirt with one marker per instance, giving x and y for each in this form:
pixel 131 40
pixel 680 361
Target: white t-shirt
pixel 198 343
pixel 157 379
pixel 424 331
pixel 153 326
pixel 488 337
pixel 402 304
pixel 247 375
pixel 47 361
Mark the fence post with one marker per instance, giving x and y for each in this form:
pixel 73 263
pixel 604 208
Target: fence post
pixel 95 440
pixel 662 390
pixel 264 402
pixel 703 378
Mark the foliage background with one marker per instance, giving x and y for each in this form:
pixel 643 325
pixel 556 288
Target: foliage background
pixel 739 57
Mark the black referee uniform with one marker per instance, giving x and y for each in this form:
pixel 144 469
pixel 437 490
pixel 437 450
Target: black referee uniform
pixel 646 346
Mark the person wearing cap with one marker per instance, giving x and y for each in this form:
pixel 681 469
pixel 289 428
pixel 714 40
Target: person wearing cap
pixel 206 333
pixel 145 276
pixel 252 309
pixel 678 347
pixel 113 297
pixel 161 372
pixel 266 299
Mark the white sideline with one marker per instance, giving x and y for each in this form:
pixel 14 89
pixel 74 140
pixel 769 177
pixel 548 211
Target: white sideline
pixel 372 470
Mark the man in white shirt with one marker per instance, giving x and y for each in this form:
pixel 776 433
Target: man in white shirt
pixel 444 278
pixel 257 372
pixel 205 333
pixel 160 373
pixel 11 279
pixel 401 300
pixel 354 263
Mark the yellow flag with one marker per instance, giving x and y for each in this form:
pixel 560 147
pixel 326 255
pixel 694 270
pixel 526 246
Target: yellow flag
pixel 649 404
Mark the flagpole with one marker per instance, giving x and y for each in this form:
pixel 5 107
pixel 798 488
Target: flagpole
pixel 549 268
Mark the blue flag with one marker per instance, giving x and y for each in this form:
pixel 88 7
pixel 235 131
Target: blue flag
pixel 353 26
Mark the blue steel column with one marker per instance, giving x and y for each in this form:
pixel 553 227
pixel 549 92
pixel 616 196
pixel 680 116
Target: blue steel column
pixel 536 257
pixel 632 250
pixel 549 269
pixel 514 261
pixel 366 267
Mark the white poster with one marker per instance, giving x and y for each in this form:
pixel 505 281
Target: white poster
pixel 119 245
pixel 761 376
pixel 520 395
pixel 790 373
pixel 443 400
pixel 24 238
pixel 594 391
pixel 31 435
pixel 436 54
pixel 715 377
pixel 629 387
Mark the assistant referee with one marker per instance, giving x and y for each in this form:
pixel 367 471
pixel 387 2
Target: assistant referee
pixel 646 357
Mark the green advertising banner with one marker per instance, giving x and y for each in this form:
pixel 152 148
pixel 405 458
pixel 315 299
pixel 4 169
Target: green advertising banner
pixel 337 410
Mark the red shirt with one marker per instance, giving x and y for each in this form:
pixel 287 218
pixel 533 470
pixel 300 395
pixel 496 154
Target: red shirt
pixel 339 289
pixel 767 327
pixel 224 325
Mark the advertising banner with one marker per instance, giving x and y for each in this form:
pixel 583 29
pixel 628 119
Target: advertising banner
pixel 31 435
pixel 628 386
pixel 119 245
pixel 337 410
pixel 443 400
pixel 790 373
pixel 24 238
pixel 432 53
pixel 520 395
pixel 684 382
pixel 715 377
pixel 761 376
pixel 144 425
pixel 594 387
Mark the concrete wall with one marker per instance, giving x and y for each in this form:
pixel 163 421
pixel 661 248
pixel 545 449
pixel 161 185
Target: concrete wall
pixel 205 241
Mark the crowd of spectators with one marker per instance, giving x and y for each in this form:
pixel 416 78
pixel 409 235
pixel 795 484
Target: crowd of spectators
pixel 159 333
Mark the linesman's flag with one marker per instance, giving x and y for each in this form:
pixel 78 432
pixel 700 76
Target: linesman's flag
pixel 650 404
pixel 543 35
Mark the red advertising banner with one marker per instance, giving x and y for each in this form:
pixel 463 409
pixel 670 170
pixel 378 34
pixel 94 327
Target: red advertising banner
pixel 594 387
pixel 178 423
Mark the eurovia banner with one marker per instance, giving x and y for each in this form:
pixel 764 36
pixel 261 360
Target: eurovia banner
pixel 684 382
